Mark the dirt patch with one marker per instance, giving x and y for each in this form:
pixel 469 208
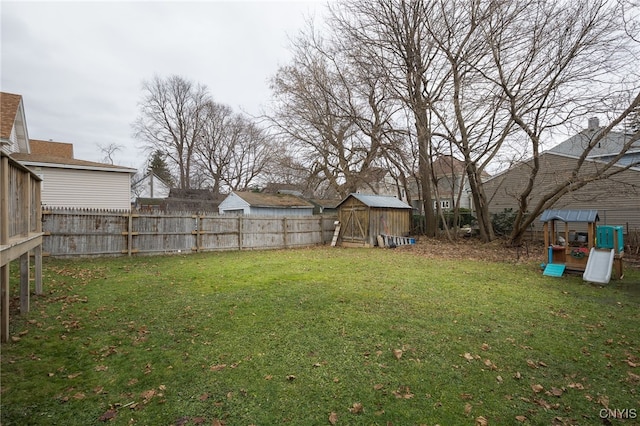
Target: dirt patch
pixel 474 249
pixel 495 251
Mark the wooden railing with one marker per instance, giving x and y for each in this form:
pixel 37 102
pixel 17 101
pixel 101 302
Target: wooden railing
pixel 20 232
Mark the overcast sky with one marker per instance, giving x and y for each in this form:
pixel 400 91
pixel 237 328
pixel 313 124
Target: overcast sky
pixel 79 65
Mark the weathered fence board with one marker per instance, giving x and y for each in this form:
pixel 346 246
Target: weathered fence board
pixel 70 232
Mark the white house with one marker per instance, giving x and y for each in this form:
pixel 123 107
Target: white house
pixel 66 181
pixel 257 203
pixel 150 186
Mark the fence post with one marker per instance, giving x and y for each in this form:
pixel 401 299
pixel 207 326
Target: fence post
pixel 284 232
pixel 130 234
pixel 239 232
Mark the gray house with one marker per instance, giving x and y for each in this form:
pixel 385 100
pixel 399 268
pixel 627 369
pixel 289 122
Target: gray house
pixel 261 204
pixel 616 199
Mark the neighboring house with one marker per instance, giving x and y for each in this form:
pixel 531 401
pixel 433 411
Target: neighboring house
pixel 66 181
pixel 261 204
pixel 13 124
pixel 452 183
pixel 616 199
pixel 149 191
pixel 453 189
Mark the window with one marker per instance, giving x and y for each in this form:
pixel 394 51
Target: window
pixel 444 204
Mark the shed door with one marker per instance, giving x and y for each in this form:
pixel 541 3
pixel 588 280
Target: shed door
pixel 354 228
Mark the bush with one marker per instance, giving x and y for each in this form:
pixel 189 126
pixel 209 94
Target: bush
pixel 503 222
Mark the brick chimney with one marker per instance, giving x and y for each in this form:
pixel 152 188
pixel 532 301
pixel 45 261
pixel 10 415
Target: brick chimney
pixel 593 124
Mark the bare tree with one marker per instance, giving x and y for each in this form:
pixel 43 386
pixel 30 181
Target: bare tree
pixel 108 151
pixel 392 33
pixel 314 112
pixel 171 120
pixel 572 62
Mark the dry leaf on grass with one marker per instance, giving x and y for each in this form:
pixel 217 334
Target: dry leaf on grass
pixel 333 418
pixel 481 421
pixel 537 388
pixel 356 408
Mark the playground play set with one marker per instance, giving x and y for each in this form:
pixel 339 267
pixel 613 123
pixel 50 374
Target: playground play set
pixel 582 246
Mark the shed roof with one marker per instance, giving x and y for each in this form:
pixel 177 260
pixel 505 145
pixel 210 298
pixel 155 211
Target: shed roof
pixel 378 201
pixel 588 216
pixel 260 199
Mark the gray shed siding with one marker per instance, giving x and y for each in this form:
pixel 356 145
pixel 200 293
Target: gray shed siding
pixel 233 204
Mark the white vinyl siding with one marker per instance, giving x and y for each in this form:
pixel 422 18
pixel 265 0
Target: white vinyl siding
pixel 85 188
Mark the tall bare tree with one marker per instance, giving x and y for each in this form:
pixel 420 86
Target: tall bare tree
pixel 573 61
pixel 171 120
pixel 394 36
pixel 315 113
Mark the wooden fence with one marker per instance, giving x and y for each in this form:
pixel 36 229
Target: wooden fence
pixel 78 232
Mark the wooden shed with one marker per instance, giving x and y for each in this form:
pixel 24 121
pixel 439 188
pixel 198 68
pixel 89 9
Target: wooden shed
pixel 363 217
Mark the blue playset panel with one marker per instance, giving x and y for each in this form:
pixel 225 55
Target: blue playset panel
pixel 605 237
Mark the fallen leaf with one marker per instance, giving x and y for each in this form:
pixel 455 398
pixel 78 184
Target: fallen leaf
pixel 404 392
pixel 291 377
pixel 468 356
pixel 604 400
pixel 521 419
pixel 499 379
pixel 356 408
pixel 556 392
pixel 268 377
pixel 378 386
pixel 204 397
pixel 517 376
pixel 544 404
pixel 73 376
pixel 218 422
pixel 217 367
pixel 467 409
pixel 333 418
pixel 532 364
pixel 108 415
pixel 537 388
pixel 79 395
pixel 490 365
pixel 578 386
pixel 397 353
pixel 481 421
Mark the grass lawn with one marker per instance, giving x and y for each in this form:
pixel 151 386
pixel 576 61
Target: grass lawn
pixel 321 336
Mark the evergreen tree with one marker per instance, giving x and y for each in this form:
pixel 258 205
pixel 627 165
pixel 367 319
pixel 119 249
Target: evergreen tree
pixel 159 167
